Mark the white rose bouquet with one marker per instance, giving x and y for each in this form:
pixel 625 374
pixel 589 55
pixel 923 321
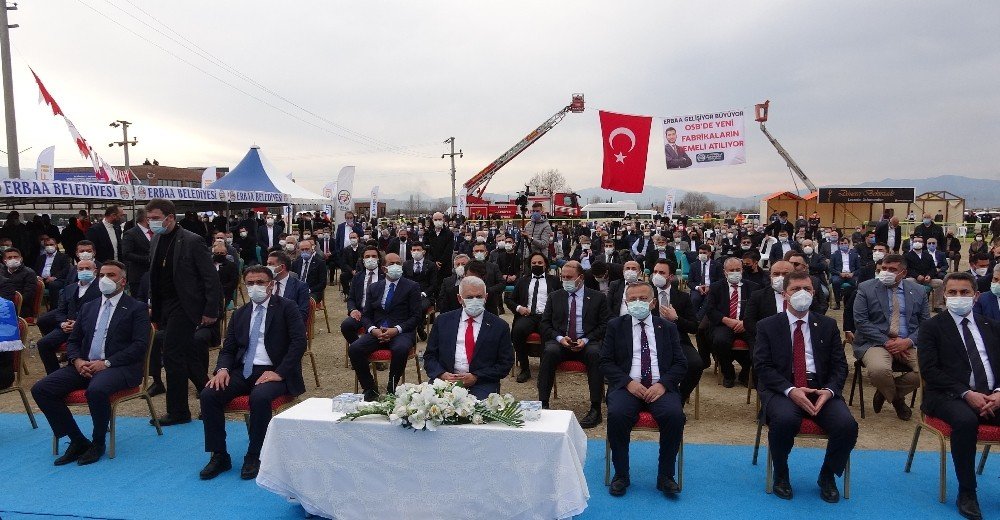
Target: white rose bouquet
pixel 427 406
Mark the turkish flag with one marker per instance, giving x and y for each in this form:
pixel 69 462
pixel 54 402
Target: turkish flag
pixel 626 141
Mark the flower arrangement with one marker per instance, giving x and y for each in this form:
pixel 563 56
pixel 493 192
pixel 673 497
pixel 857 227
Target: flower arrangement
pixel 429 405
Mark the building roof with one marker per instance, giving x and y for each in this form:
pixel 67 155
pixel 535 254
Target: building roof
pixel 783 195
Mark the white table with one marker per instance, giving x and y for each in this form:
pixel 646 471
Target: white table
pixel 367 468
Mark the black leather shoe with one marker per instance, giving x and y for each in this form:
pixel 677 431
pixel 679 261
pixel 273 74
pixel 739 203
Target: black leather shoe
pixel 878 401
pixel 73 452
pixel 782 488
pixel 668 486
pixel 170 420
pixel 156 389
pixel 92 455
pixel 728 382
pixel 619 485
pixel 371 396
pixel 836 306
pixel 828 488
pixel 902 411
pixel 216 465
pixel 251 465
pixel 523 375
pixel 968 505
pixel 743 377
pixel 592 419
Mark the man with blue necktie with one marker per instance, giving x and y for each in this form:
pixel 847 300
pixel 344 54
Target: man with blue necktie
pixel 261 357
pixel 106 352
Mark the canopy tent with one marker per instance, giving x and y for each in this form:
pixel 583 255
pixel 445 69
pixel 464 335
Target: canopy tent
pixel 256 173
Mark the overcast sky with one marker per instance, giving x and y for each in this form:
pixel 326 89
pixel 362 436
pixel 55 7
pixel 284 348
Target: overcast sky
pixel 859 90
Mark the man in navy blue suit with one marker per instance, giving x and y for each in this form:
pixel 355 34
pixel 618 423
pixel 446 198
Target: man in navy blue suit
pixel 481 363
pixel 844 266
pixel 357 294
pixel 288 287
pixel 390 318
pixel 57 324
pixel 262 358
pixel 653 384
pixel 106 352
pixel 800 366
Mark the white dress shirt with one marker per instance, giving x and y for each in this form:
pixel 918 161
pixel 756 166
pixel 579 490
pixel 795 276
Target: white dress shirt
pixel 845 261
pixel 977 336
pixel 578 294
pixel 636 371
pixel 47 268
pixel 461 361
pixel 281 285
pixel 114 305
pixel 111 233
pixel 82 289
pixel 807 337
pixel 779 302
pixel 260 356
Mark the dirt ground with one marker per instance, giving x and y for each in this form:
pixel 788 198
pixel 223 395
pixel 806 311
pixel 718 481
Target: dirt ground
pixel 725 416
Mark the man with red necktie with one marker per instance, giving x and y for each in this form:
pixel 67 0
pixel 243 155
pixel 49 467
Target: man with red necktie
pixel 470 345
pixel 800 367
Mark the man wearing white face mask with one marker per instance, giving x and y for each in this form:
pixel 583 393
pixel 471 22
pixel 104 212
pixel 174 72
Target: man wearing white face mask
pixel 988 303
pixel 470 345
pixel 888 312
pixel 357 294
pixel 922 268
pixel 960 360
pixel 631 273
pixel 424 272
pixel 16 277
pixel 800 367
pixel 727 302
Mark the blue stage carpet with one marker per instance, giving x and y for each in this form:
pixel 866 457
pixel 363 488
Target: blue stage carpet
pixel 157 477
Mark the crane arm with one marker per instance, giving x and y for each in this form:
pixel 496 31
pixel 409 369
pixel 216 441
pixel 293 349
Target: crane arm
pixel 792 165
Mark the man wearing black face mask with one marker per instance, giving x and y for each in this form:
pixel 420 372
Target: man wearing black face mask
pixel 527 303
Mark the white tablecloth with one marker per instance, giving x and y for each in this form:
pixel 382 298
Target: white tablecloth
pixel 369 469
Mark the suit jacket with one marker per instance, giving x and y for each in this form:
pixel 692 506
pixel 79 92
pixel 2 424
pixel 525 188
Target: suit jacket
pixel 492 357
pixel 404 310
pixel 696 277
pixel 652 255
pixel 127 336
pixel 427 277
pixel 284 341
pixel 776 227
pixel 777 251
pixel 134 251
pixel 882 235
pixel 837 263
pixel 718 300
pixel 871 313
pixel 923 265
pixel 393 247
pixel 447 299
pixel 761 306
pixel 356 290
pixel 988 306
pixel 521 295
pixel 676 158
pixel 617 353
pixel 195 279
pixel 262 241
pixel 229 278
pixel 298 292
pixel 69 304
pixel 944 362
pixel 556 315
pixel 22 280
pixel 60 265
pixel 441 243
pixel 687 322
pixel 339 237
pixel 616 294
pixel 317 275
pixel 103 248
pixel 772 355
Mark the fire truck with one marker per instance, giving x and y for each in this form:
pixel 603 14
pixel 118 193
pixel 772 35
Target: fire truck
pixel 560 204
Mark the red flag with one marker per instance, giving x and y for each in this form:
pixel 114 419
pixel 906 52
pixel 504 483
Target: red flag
pixel 626 141
pixel 46 97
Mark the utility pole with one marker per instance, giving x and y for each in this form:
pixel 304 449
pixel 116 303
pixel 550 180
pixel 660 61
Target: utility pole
pixel 13 164
pixel 124 143
pixel 451 140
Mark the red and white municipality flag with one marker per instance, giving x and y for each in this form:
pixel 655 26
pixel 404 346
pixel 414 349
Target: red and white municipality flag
pixel 626 142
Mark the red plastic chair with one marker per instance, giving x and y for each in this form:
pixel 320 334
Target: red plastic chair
pixel 573 367
pixel 241 404
pixel 36 302
pixel 645 423
pixel 808 430
pixel 385 356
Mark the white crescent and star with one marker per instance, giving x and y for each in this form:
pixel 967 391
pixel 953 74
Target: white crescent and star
pixel 621 130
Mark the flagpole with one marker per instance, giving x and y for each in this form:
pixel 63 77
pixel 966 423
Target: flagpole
pixel 13 162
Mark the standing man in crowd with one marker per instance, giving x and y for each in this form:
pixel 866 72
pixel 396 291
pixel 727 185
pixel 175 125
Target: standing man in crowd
pixel 184 294
pixel 538 232
pixel 135 250
pixel 107 234
pixel 311 269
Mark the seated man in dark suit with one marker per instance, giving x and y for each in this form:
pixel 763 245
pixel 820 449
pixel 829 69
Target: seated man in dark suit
pixel 704 272
pixel 527 302
pixel 52 267
pixel 726 310
pixel 357 295
pixel 424 272
pixel 448 290
pixel 652 384
pixel 472 346
pixel 820 303
pixel 784 245
pixel 800 367
pixel 844 266
pixel 106 352
pixel 573 327
pixel 495 283
pixel 675 306
pixel 261 357
pixel 767 301
pixel 616 289
pixel 17 277
pixel 348 258
pixel 390 319
pixel 57 324
pixel 286 286
pixel 311 269
pixel 922 268
pixel 959 357
pixel 229 277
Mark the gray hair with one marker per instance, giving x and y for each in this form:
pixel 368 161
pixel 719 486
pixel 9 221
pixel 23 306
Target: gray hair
pixel 996 269
pixel 472 282
pixel 457 257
